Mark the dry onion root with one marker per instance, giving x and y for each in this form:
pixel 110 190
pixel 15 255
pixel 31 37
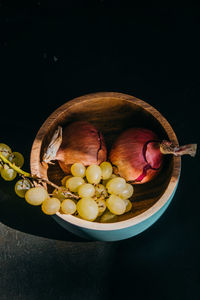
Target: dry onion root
pixel 79 142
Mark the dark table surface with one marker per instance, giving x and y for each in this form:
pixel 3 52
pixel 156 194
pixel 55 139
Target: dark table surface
pixel 53 51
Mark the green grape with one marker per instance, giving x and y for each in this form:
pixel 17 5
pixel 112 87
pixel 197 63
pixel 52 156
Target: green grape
pixel 63 181
pixel 116 205
pixel 22 186
pixel 106 169
pixel 7 173
pixel 104 182
pixel 74 183
pixel 128 205
pixel 36 195
pixel 5 150
pixel 101 205
pixel 127 192
pixel 16 158
pixel 50 206
pixel 61 194
pixel 108 217
pixel 87 209
pixel 78 170
pixel 93 174
pixel 86 190
pixel 100 190
pixel 116 185
pixel 68 206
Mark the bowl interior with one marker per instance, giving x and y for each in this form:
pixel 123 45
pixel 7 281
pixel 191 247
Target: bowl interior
pixel 111 115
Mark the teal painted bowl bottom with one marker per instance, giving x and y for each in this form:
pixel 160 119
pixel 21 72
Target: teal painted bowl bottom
pixel 114 234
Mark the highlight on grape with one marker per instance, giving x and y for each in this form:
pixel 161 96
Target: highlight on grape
pixel 92 193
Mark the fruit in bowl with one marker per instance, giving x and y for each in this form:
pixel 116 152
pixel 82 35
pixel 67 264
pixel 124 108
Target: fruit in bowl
pixel 108 175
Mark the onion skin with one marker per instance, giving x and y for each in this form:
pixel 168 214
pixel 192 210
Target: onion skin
pixel 82 143
pixel 137 154
pixel 128 157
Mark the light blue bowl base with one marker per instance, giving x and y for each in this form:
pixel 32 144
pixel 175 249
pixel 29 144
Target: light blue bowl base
pixel 117 234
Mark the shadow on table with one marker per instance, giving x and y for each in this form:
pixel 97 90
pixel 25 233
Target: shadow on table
pixel 16 213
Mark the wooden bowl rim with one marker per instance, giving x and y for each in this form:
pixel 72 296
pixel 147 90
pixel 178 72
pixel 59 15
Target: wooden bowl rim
pixel 36 148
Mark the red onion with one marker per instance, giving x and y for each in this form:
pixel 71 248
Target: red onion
pixel 137 154
pixel 79 142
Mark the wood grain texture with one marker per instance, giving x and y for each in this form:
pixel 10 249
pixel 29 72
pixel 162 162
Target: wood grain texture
pixel 112 113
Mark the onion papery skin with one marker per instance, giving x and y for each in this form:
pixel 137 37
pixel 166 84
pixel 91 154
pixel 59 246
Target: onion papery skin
pixel 81 143
pixel 136 155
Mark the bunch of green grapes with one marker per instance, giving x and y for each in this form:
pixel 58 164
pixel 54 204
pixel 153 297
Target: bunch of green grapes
pixel 92 193
pixel 101 193
pixel 10 165
pixel 7 173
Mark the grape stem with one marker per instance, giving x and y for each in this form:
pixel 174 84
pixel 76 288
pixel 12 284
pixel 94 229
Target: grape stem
pixel 14 167
pixel 34 177
pixel 39 179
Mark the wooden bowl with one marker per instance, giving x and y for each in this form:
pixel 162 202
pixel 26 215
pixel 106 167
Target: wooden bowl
pixel 112 113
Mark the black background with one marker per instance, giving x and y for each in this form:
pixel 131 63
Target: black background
pixel 53 51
